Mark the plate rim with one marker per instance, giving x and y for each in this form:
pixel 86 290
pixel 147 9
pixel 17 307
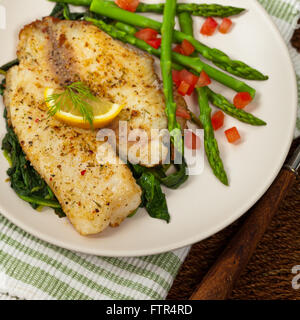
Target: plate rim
pixel 211 231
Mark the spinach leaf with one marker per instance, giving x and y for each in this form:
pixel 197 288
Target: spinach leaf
pixel 171 181
pixel 150 180
pixel 2 87
pixel 62 11
pixel 10 64
pixel 175 180
pixel 153 197
pixel 58 11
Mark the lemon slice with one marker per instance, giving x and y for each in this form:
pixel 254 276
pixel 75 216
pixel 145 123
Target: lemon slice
pixel 104 112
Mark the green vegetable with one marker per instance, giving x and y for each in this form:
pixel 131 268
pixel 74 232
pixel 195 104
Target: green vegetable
pixel 125 27
pixel 40 201
pixel 7 157
pixel 58 11
pixel 10 64
pixel 166 70
pixel 171 181
pixel 195 119
pixel 155 200
pixel 133 213
pixel 174 180
pixel 238 68
pixel 84 3
pixel 222 103
pixel 204 10
pixel 150 179
pixel 62 11
pixel 2 87
pixel 190 62
pixel 25 181
pixel 210 143
pixel 186 26
pixel 186 23
pixel 66 12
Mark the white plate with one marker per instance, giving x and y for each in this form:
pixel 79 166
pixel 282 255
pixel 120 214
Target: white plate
pixel 203 205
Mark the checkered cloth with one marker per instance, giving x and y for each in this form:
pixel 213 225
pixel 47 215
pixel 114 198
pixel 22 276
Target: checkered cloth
pixel 33 269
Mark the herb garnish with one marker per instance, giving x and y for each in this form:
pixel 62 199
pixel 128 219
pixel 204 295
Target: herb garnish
pixel 78 94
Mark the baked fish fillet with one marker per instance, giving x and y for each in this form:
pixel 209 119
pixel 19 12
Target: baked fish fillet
pixel 93 196
pixel 79 51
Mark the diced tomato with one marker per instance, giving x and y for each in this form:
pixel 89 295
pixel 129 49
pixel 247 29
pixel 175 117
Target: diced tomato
pixel 242 99
pixel 178 49
pixel 232 135
pixel 187 48
pixel 182 113
pixel 225 25
pixel 204 80
pixel 183 88
pixel 83 172
pixel 155 43
pixel 190 78
pixel 191 141
pixel 209 27
pixel 217 120
pixel 176 77
pixel 129 5
pixel 147 34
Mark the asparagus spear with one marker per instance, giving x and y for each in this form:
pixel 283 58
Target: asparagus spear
pixel 186 23
pixel 219 58
pixel 203 10
pixel 210 143
pixel 126 28
pixel 166 70
pixel 222 103
pixel 190 62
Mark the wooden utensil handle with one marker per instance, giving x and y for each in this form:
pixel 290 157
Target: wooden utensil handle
pixel 219 281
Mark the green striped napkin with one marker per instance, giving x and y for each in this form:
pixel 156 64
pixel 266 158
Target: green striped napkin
pixel 33 269
pixel 285 14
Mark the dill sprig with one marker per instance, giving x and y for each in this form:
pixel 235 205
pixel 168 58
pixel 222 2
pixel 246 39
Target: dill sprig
pixel 78 94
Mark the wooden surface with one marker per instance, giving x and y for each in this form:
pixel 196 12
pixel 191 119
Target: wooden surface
pixel 221 278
